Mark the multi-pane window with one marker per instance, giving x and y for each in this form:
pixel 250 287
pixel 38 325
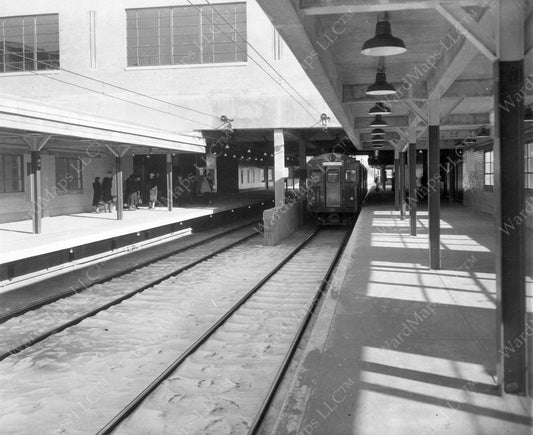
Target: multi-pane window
pixel 488 160
pixel 11 173
pixel 68 173
pixel 29 43
pixel 529 166
pixel 187 35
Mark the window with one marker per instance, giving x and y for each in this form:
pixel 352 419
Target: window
pixel 29 43
pixel 68 173
pixel 529 166
pixel 350 176
pixel 11 173
pixel 187 35
pixel 488 159
pixel 315 176
pixel 333 176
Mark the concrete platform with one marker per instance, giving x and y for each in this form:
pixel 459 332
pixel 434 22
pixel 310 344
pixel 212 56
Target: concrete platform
pixel 401 349
pixel 71 237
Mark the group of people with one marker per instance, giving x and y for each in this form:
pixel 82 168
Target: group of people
pixel 134 188
pixel 102 196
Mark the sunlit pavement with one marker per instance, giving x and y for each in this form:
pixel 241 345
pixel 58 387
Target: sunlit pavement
pixel 401 349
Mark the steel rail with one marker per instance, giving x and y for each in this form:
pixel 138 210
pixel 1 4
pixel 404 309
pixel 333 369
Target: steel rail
pixel 297 338
pixel 71 292
pixel 134 404
pixel 117 301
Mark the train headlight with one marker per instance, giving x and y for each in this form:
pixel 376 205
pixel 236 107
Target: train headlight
pixel 351 198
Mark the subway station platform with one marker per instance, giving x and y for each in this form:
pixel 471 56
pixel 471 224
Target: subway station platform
pixel 398 348
pixel 82 236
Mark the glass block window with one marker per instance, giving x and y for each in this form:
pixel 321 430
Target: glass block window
pixel 29 43
pixel 488 160
pixel 185 35
pixel 69 173
pixel 529 166
pixel 11 173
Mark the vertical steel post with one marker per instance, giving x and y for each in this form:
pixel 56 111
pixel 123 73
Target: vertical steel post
pixel 170 189
pixel 36 193
pixel 413 199
pixel 396 180
pixel 401 185
pixel 279 168
pixel 434 183
pixel 509 195
pixel 120 189
pixel 302 163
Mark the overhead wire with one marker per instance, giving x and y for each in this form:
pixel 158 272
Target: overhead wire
pixel 261 56
pixel 100 92
pixel 197 7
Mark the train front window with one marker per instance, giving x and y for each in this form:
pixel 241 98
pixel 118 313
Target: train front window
pixel 315 176
pixel 333 176
pixel 350 176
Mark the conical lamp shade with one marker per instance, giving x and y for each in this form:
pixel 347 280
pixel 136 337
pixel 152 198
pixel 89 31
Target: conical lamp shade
pixel 378 139
pixel 381 87
pixel 383 43
pixel 377 131
pixel 378 122
pixel 379 109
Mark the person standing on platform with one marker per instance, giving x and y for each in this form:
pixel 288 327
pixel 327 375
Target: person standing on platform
pixel 131 192
pixel 97 194
pixel 152 191
pixel 205 189
pixel 107 197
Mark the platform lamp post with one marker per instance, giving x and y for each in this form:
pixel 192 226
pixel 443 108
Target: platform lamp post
pixel 170 195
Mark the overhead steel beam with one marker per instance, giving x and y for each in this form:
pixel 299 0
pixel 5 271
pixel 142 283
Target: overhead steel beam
pixel 466 25
pixel 317 62
pixel 327 7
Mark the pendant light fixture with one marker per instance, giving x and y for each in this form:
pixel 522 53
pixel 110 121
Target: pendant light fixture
pixel 379 109
pixel 482 132
pixel 381 86
pixel 383 43
pixel 378 122
pixel 377 131
pixel 528 115
pixel 378 139
pixel 377 145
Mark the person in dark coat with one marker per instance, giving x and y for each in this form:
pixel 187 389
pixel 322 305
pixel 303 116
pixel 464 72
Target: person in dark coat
pixel 97 194
pixel 107 197
pixel 130 192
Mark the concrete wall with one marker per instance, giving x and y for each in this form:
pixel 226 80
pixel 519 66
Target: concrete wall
pixel 242 91
pixel 251 177
pixel 280 222
pixel 57 201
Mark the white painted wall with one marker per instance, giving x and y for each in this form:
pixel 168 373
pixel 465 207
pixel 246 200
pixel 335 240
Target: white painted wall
pixel 241 91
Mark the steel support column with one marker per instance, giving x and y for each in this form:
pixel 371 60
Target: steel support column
pixel 279 168
pixel 120 189
pixel 170 188
pixel 433 186
pixel 413 201
pixel 36 191
pixel 401 185
pixel 396 180
pixel 302 163
pixel 509 195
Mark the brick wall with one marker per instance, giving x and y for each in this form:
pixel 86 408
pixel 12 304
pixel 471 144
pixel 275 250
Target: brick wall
pixel 475 195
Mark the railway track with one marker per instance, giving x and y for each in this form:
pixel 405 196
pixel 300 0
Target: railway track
pixel 224 382
pixel 76 289
pixel 36 323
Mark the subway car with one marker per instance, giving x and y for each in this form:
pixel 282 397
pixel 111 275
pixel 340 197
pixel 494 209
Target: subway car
pixel 337 186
